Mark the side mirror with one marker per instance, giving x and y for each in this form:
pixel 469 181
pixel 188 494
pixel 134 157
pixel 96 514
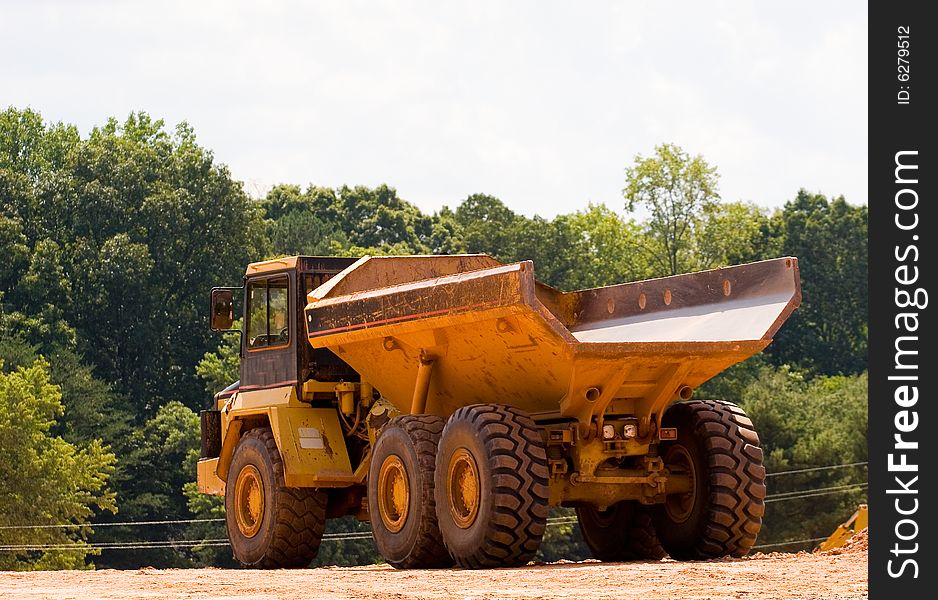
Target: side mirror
pixel 222 309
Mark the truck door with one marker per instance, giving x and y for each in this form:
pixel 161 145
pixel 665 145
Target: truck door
pixel 269 356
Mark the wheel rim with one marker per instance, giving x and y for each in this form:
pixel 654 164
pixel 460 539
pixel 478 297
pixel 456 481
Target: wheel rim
pixel 393 493
pixel 249 501
pixel 464 488
pixel 680 506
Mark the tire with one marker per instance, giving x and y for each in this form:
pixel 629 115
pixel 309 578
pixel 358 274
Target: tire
pixel 722 514
pixel 622 533
pixel 285 530
pixel 491 487
pixel 408 536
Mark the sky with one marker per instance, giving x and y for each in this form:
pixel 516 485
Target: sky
pixel 542 104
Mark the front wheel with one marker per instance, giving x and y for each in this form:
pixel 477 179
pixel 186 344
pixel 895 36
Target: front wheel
pixel 721 514
pixel 270 525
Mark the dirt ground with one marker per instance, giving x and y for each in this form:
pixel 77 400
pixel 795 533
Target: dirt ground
pixel 839 574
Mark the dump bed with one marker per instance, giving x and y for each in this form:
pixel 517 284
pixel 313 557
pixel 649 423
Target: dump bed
pixel 494 334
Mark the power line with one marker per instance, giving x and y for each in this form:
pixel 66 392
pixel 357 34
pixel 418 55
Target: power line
pixel 789 543
pixel 112 524
pixel 824 489
pixel 792 495
pixel 810 469
pixel 90 547
pixel 154 544
pixel 812 494
pixel 221 519
pixel 131 523
pixel 110 545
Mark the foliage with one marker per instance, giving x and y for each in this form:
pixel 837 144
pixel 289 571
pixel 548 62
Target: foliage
pixel 828 334
pixel 563 540
pixel 347 552
pixel 807 423
pixel 156 461
pixel 221 368
pixel 110 242
pixel 606 249
pixel 675 188
pixel 125 230
pixel 732 233
pixel 45 479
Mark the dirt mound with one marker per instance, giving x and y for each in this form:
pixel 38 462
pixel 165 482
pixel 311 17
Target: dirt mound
pixel 858 543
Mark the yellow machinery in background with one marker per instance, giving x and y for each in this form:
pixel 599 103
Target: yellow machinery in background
pixel 859 521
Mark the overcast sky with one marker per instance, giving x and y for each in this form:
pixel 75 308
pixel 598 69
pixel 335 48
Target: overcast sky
pixel 542 104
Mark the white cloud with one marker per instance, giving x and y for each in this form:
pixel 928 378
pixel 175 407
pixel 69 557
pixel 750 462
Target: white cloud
pixel 542 104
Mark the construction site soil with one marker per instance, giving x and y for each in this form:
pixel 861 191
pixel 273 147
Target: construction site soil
pixel 841 573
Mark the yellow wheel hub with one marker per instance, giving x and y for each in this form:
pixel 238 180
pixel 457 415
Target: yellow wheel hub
pixel 249 501
pixel 393 493
pixel 464 488
pixel 680 506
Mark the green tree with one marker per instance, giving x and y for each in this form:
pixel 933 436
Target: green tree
pixel 828 333
pixel 487 225
pixel 126 229
pixel 221 368
pixel 156 461
pixel 675 188
pixel 606 247
pixel 804 424
pixel 732 233
pixel 45 480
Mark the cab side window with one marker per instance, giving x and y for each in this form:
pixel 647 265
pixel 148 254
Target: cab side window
pixel 268 313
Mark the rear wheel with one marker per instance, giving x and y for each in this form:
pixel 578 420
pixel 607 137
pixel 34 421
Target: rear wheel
pixel 491 486
pixel 623 532
pixel 718 449
pixel 270 525
pixel 400 493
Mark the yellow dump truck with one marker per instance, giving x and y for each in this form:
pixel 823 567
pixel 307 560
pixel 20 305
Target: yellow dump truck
pixel 451 400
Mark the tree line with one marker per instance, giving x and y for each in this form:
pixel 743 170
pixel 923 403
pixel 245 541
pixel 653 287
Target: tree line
pixel 110 241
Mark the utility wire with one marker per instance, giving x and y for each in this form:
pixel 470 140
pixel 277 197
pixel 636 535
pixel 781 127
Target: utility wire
pixel 328 537
pixel 854 487
pixel 221 519
pixel 811 469
pixel 112 524
pixel 128 524
pixel 825 489
pixel 789 543
pixel 363 535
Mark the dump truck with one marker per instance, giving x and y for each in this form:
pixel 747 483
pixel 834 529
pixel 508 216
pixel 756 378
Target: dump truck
pixel 452 400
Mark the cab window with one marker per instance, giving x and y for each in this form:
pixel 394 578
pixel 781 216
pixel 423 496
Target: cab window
pixel 268 313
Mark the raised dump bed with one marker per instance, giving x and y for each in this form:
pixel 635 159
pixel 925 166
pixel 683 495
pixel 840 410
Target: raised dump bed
pixel 483 332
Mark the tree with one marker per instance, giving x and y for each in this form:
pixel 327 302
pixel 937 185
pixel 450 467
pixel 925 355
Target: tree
pixel 675 189
pixel 335 221
pixel 45 480
pixel 221 368
pixel 127 230
pixel 828 333
pixel 804 424
pixel 732 233
pixel 156 461
pixel 487 225
pixel 606 247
